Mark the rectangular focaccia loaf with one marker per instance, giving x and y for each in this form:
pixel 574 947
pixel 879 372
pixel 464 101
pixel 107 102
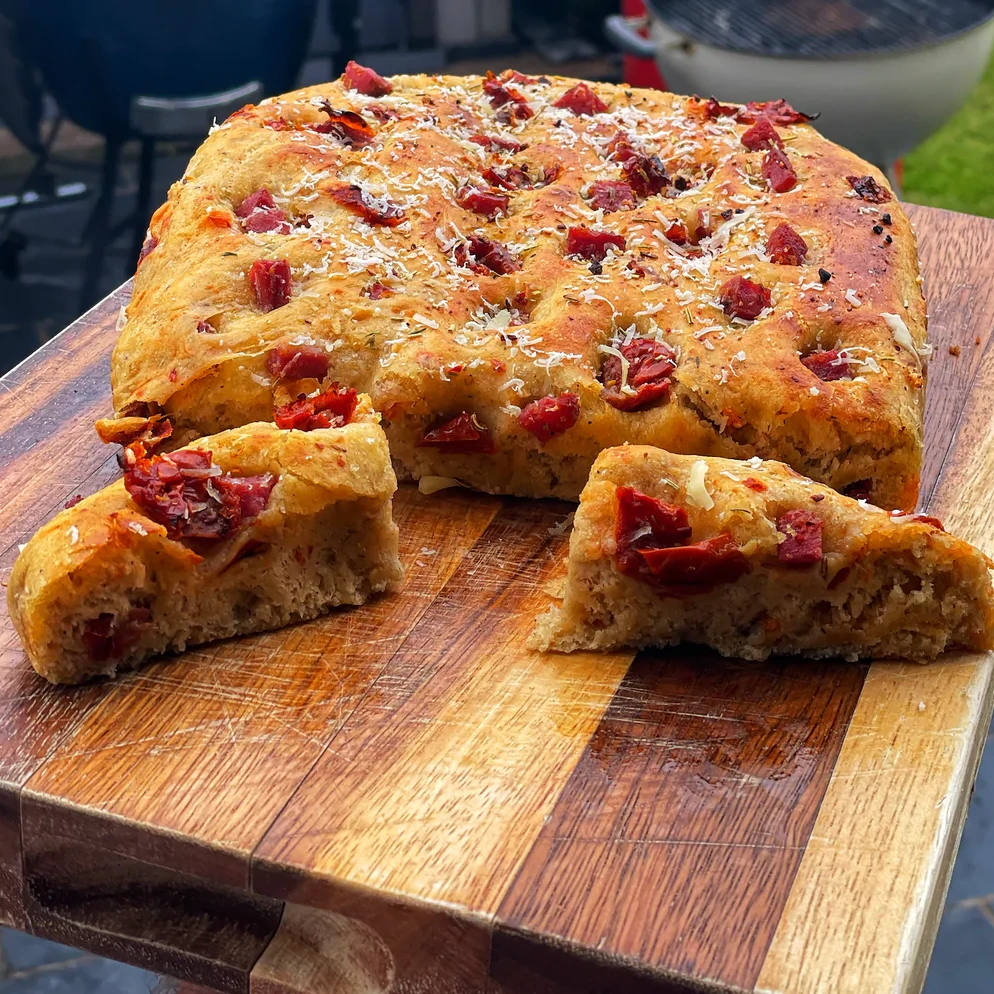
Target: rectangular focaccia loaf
pixel 245 531
pixel 750 558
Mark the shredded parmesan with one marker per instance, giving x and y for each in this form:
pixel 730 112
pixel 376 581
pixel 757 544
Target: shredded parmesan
pixel 900 332
pixel 611 350
pixel 432 484
pixel 697 492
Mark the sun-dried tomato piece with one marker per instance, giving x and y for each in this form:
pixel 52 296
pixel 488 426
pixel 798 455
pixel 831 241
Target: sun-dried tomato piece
pixel 762 135
pixel 377 291
pixel 512 178
pixel 650 366
pixel 645 523
pixel 366 81
pixel 713 109
pixel 611 195
pixel 697 568
pixel 869 189
pixel 778 171
pixel 742 298
pixel 461 435
pixel 347 126
pixel 550 415
pixel 490 142
pixel 592 245
pixel 581 100
pixel 373 210
pixel 190 496
pixel 259 213
pixel 271 280
pixel 332 409
pixel 297 362
pixel 786 247
pixel 73 501
pixel 147 246
pixel 645 174
pixel 920 519
pixel 204 327
pixel 106 637
pixel 501 95
pixel 513 76
pixel 677 233
pixel 483 256
pixel 802 546
pixel 753 484
pixel 827 365
pixel 383 114
pixel 489 203
pixel 774 111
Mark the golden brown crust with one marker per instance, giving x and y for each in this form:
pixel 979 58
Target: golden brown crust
pixel 438 345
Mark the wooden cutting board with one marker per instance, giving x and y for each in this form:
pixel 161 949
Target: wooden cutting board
pixel 404 795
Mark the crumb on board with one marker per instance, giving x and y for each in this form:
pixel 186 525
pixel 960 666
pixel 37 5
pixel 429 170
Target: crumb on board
pixel 976 341
pixel 954 350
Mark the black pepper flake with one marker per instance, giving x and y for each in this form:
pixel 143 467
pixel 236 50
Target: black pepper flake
pixel 740 210
pixel 824 275
pixel 680 183
pixel 817 497
pixel 878 229
pixel 596 268
pixel 888 239
pixel 885 218
pixel 728 213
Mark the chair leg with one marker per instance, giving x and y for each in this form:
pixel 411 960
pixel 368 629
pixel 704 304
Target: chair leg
pixel 146 166
pixel 99 225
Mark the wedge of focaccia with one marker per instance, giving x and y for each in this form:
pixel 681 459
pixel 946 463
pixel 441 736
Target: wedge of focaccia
pixel 245 531
pixel 750 558
pixel 521 271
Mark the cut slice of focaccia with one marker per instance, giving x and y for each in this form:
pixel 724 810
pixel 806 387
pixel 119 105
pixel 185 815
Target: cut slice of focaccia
pixel 750 558
pixel 241 532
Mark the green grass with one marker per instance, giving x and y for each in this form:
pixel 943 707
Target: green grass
pixel 955 167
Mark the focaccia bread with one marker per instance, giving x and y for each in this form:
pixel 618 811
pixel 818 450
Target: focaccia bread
pixel 751 559
pixel 250 530
pixel 523 271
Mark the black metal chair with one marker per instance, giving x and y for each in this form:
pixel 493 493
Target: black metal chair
pixel 155 70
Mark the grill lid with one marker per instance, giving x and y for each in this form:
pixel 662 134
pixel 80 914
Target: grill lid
pixel 820 28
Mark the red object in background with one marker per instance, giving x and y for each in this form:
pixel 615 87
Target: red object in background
pixel 640 72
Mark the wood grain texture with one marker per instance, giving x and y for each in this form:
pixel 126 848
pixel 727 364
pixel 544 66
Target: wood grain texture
pixel 460 814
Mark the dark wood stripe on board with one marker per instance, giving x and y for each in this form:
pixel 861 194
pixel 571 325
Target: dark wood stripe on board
pixel 677 837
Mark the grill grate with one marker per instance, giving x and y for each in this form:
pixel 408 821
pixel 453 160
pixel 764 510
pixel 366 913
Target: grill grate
pixel 820 28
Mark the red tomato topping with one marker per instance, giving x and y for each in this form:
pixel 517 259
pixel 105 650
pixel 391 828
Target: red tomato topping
pixel 695 569
pixel 345 125
pixel 581 100
pixel 73 501
pixel 373 210
pixel 513 76
pixel 377 291
pixel 483 256
pixel 259 213
pixel 490 142
pixel 677 233
pixel 383 114
pixel 271 280
pixel 786 247
pixel 550 415
pixel 512 178
pixel 869 189
pixel 778 171
pixel 611 195
pixel 204 327
pixel 774 111
pixel 500 95
pixel 489 203
pixel 802 546
pixel 150 242
pixel 645 523
pixel 460 435
pixel 827 365
pixel 190 496
pixel 593 245
pixel 742 298
pixel 921 519
pixel 753 484
pixel 105 638
pixel 650 365
pixel 297 362
pixel 332 409
pixel 762 135
pixel 365 80
pixel 713 109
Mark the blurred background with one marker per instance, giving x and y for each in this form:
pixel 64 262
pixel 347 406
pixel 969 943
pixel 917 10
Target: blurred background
pixel 103 101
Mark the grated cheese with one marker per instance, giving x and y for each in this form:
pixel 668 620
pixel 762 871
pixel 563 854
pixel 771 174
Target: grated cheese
pixel 697 492
pixel 432 484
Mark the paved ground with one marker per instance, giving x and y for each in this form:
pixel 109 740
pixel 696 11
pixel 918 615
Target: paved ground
pixel 39 304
